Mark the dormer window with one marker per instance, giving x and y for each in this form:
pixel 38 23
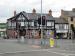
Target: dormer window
pixel 71 18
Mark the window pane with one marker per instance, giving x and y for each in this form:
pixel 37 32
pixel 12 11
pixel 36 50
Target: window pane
pixel 61 26
pixel 32 23
pixel 26 23
pixel 22 23
pixel 48 23
pixel 52 23
pixel 35 23
pixel 57 26
pixel 66 26
pixel 71 18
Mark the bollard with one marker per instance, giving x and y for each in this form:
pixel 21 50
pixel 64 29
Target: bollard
pixel 22 39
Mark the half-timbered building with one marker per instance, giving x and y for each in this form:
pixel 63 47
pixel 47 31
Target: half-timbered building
pixel 26 24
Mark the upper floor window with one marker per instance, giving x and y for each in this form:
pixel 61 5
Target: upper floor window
pixel 61 26
pixel 52 23
pixel 9 23
pixel 48 23
pixel 14 24
pixel 31 23
pixel 35 23
pixel 65 26
pixel 22 23
pixel 26 23
pixel 57 26
pixel 71 18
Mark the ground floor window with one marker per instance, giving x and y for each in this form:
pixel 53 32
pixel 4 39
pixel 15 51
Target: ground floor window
pixel 62 35
pixel 37 34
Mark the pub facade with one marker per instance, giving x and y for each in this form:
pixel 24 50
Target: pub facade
pixel 27 25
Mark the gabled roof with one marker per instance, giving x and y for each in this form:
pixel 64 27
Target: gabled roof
pixel 35 16
pixel 60 20
pixel 31 16
pixel 49 17
pixel 69 13
pixel 14 16
pixel 17 15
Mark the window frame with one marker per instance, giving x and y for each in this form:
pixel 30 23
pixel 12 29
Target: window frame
pixel 71 18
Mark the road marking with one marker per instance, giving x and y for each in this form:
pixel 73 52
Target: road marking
pixel 61 50
pixel 48 50
pixel 22 51
pixel 59 53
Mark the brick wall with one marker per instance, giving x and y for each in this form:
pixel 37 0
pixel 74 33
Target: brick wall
pixel 11 33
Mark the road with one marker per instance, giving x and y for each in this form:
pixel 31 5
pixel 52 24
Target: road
pixel 13 48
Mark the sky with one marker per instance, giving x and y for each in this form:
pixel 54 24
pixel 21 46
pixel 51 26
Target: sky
pixel 7 7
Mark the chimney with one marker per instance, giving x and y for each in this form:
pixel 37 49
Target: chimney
pixel 14 12
pixel 34 11
pixel 50 13
pixel 62 12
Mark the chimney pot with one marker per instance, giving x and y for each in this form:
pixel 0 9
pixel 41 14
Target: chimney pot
pixel 33 11
pixel 50 13
pixel 62 12
pixel 14 12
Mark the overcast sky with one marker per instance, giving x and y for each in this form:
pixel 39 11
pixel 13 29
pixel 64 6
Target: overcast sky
pixel 8 6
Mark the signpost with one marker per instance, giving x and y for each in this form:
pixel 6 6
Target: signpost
pixel 41 25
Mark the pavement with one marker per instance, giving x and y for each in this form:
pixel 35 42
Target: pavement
pixel 14 48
